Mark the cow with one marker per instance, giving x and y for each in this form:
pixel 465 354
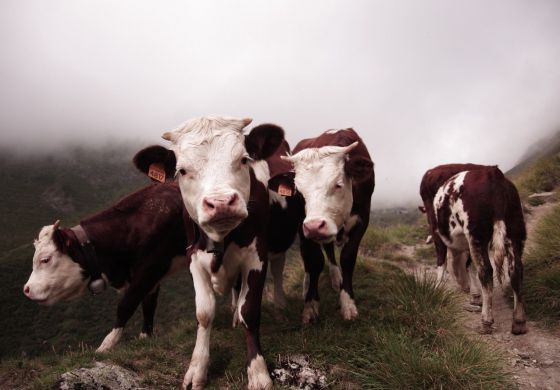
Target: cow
pixel 212 161
pixel 131 246
pixel 333 174
pixel 432 180
pixel 286 212
pixel 480 211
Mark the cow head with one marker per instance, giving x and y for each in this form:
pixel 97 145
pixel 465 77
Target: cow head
pixel 211 159
pixel 324 177
pixel 55 275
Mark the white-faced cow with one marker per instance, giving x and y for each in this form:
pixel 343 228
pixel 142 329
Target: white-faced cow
pixel 334 178
pixel 480 211
pixel 131 246
pixel 212 160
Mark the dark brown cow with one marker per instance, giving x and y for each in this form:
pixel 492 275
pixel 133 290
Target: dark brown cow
pixel 223 195
pixel 480 211
pixel 334 177
pixel 131 246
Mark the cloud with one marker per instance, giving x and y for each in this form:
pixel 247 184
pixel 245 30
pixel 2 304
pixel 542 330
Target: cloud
pixel 424 83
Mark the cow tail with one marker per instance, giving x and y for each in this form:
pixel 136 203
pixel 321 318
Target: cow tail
pixel 498 248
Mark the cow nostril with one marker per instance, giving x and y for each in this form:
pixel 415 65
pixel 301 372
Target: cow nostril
pixel 208 204
pixel 233 200
pixel 322 225
pixel 26 290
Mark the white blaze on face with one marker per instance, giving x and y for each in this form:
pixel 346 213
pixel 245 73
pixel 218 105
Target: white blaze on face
pixel 55 276
pixel 321 179
pixel 213 164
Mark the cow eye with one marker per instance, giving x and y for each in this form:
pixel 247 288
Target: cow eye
pixel 338 186
pixel 245 160
pixel 180 172
pixel 45 260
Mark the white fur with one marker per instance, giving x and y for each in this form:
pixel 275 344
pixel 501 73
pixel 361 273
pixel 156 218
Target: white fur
pixel 305 284
pixel 210 150
pixel 110 340
pixel 440 279
pixel 58 279
pixel 458 233
pixel 143 335
pixel 257 375
pixel 318 172
pixel 251 262
pixel 347 306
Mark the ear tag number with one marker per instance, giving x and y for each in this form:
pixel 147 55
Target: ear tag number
pixel 156 172
pixel 284 190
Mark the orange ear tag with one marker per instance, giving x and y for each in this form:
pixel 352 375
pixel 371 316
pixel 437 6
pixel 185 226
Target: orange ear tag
pixel 156 172
pixel 284 190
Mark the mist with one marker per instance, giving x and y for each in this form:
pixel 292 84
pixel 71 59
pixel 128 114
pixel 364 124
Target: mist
pixel 424 83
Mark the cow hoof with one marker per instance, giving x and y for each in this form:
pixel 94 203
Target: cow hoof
pixel 257 374
pixel 519 327
pixel 476 300
pixel 472 308
pixel 235 321
pixel 193 379
pixel 310 312
pixel 143 335
pixel 486 328
pixel 348 308
pixel 280 301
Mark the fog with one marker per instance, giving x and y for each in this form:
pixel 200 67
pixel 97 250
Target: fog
pixel 424 83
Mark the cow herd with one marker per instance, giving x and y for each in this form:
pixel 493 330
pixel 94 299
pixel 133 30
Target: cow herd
pixel 228 204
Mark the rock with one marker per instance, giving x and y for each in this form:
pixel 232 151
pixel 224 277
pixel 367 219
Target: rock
pixel 296 372
pixel 100 377
pixel 524 355
pixel 548 362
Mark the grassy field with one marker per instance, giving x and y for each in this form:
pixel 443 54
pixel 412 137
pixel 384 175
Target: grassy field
pixel 542 269
pixel 407 336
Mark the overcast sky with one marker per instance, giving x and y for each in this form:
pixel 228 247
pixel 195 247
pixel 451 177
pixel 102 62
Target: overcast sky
pixel 423 82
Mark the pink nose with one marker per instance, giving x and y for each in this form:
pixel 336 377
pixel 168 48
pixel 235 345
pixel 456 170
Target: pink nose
pixel 26 290
pixel 316 228
pixel 217 206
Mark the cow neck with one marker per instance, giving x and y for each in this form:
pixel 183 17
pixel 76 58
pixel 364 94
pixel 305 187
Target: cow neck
pixel 86 257
pixel 198 240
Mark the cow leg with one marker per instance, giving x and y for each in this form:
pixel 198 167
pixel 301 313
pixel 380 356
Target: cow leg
pixel 441 257
pixel 235 300
pixel 459 269
pixel 314 262
pixel 277 261
pixel 474 283
pixel 148 309
pixel 205 311
pixel 515 268
pixel 334 270
pixel 348 257
pixel 253 273
pixel 132 297
pixel 481 259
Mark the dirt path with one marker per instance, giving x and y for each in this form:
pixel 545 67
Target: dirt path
pixel 533 358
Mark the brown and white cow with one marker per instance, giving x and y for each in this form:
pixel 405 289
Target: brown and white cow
pixel 480 211
pixel 335 179
pixel 212 160
pixel 131 246
pixel 432 180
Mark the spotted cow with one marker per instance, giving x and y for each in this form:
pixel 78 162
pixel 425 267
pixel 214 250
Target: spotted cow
pixel 131 246
pixel 334 178
pixel 213 162
pixel 480 211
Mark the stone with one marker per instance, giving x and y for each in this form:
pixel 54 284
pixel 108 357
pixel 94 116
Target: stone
pixel 100 376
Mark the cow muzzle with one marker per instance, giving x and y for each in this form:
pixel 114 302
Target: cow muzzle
pixel 223 211
pixel 318 230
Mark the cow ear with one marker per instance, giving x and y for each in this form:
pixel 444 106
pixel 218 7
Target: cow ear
pixel 283 184
pixel 263 141
pixel 58 239
pixel 156 154
pixel 358 168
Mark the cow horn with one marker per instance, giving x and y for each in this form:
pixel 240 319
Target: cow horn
pixel 246 122
pixel 56 224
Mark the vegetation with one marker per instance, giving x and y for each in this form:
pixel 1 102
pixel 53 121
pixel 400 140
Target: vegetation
pixel 542 176
pixel 406 336
pixel 542 269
